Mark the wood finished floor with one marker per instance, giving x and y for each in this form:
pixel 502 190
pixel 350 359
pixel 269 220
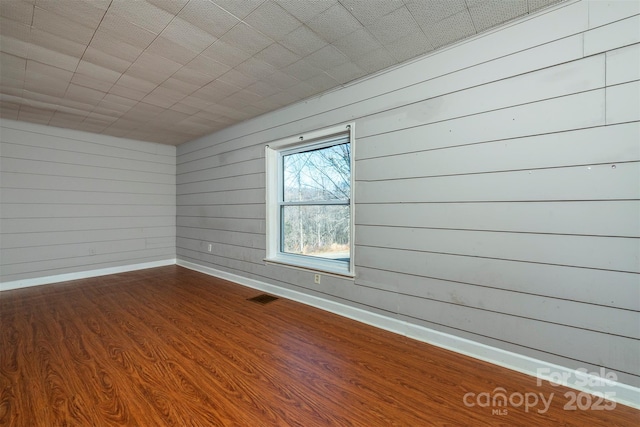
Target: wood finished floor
pixel 173 347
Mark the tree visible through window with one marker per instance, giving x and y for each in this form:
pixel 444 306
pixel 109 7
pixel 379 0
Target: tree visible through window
pixel 309 215
pixel 315 204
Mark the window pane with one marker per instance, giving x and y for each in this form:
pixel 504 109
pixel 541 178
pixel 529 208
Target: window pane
pixel 323 174
pixel 316 230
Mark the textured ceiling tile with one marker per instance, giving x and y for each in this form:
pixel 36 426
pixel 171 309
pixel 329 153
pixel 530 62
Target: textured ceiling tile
pixel 239 9
pixel 56 59
pixel 188 35
pixel 15 29
pixel 277 55
pixel 303 41
pixel 105 60
pixel 9 110
pixel 125 31
pixel 88 13
pixel 179 85
pixel 15 37
pixel 191 76
pixel 170 117
pixel 240 99
pixel 334 23
pixel 36 70
pixel 451 29
pixel 166 48
pixel 196 101
pixel 184 108
pixel 304 90
pixel 151 62
pixel 410 46
pixel 346 72
pixel 208 17
pixel 52 42
pixel 236 78
pixel 246 38
pixel 98 72
pixel 165 94
pixel 41 98
pixel 394 26
pixel 255 68
pixel 285 97
pixel 66 119
pixel 151 77
pixel 17 11
pixel 62 27
pixel 45 85
pixel 428 12
pixel 376 61
pixel 143 111
pixel 226 54
pixel 12 66
pixel 92 125
pixel 322 82
pixel 127 80
pixel 281 80
pixel 128 92
pixel 141 13
pixel 326 58
pixel 171 6
pixel 368 11
pixel 490 13
pixel 306 10
pixel 35 115
pixel 358 43
pixel 119 100
pixel 84 94
pixel 111 45
pixel 267 104
pixel 272 20
pixel 302 70
pixel 91 82
pixel 208 66
pixel 263 89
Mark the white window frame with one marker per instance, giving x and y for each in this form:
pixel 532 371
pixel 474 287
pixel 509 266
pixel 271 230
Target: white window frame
pixel 273 156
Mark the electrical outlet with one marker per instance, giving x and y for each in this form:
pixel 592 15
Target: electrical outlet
pixel 210 247
pixel 316 279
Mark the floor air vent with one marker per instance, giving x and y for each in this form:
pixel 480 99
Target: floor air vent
pixel 263 299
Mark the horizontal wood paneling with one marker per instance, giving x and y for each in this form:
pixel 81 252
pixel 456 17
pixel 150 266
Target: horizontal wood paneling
pixel 598 182
pixel 623 65
pixel 23 240
pixel 607 253
pixel 496 190
pixel 582 147
pixel 35 196
pixel 590 218
pixel 37 225
pixel 73 201
pixel 623 103
pixel 543 308
pixel 549 116
pixel 617 34
pixel 610 288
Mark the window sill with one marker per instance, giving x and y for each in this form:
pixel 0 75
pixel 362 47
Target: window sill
pixel 313 265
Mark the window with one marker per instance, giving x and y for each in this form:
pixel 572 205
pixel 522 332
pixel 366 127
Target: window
pixel 310 201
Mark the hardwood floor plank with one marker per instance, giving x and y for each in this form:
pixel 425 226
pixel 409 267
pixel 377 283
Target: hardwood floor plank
pixel 173 347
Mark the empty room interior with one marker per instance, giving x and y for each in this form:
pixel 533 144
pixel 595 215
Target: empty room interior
pixel 319 212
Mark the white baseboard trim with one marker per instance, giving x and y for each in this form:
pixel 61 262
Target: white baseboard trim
pixel 595 383
pixel 17 284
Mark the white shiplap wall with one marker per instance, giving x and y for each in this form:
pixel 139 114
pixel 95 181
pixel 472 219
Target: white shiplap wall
pixel 74 202
pixel 497 190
